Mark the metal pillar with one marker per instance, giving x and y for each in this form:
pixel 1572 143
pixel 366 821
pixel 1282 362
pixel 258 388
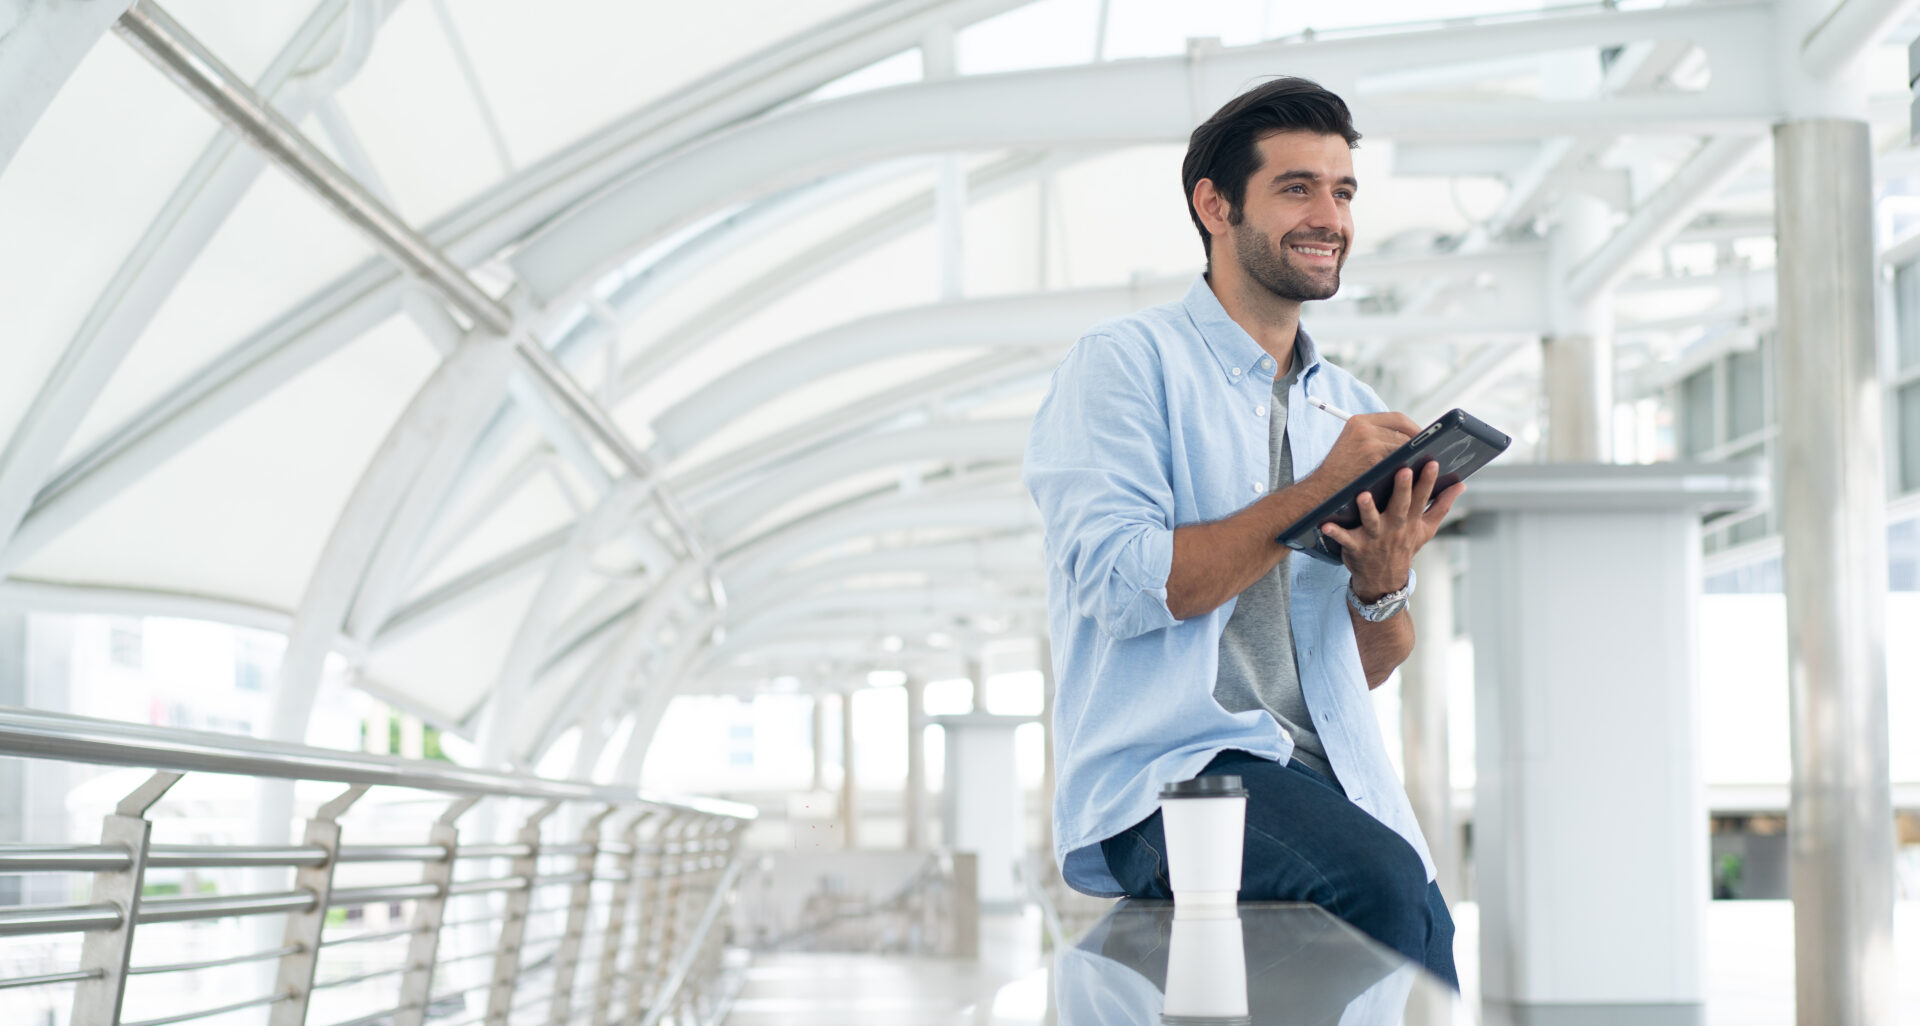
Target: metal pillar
pixel 916 797
pixel 1577 359
pixel 819 742
pixel 849 784
pixel 1832 504
pixel 1423 715
pixel 1577 356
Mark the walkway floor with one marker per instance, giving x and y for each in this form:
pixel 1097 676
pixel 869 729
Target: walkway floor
pixel 1749 977
pixel 1007 986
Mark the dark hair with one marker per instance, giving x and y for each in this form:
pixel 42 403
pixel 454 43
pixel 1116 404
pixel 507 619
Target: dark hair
pixel 1225 147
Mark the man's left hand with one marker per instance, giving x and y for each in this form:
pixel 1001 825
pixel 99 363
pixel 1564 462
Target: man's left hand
pixel 1380 551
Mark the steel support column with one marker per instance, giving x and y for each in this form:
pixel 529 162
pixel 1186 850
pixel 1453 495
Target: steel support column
pixel 1423 715
pixel 849 781
pixel 1832 505
pixel 916 797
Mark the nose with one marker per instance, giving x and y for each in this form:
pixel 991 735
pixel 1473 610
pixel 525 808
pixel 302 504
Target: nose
pixel 1324 212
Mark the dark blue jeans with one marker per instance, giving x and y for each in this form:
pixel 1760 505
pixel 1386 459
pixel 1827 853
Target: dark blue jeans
pixel 1307 842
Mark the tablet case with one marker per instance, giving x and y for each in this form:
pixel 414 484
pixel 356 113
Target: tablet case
pixel 1462 444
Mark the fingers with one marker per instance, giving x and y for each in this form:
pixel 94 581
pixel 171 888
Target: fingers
pixel 1443 504
pixel 1402 499
pixel 1423 487
pixel 1396 422
pixel 1346 538
pixel 1369 513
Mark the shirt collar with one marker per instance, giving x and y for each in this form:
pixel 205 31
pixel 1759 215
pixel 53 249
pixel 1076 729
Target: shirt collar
pixel 1235 350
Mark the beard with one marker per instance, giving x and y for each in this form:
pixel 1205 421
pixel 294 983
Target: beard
pixel 1276 272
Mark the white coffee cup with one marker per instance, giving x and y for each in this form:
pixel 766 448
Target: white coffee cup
pixel 1206 972
pixel 1205 820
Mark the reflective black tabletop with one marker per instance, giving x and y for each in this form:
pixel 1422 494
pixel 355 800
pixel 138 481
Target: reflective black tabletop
pixel 1269 964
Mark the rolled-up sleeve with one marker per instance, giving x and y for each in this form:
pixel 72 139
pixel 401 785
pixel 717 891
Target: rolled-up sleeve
pixel 1097 467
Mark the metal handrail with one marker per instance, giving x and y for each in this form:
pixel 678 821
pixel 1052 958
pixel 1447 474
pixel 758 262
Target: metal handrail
pixel 692 843
pixel 35 734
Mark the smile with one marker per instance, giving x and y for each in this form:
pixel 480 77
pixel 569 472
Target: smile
pixel 1314 251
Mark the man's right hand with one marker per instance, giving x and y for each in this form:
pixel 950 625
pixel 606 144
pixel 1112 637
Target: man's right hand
pixel 1367 439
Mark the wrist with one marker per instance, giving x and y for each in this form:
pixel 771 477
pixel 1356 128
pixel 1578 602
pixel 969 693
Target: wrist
pixel 1371 587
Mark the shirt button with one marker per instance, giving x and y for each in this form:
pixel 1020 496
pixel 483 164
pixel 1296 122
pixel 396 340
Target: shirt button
pixel 1259 411
pixel 1265 363
pixel 1258 487
pixel 1236 372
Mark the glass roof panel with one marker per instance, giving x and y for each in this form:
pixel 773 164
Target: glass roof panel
pixel 243 513
pixel 78 194
pixel 449 665
pixel 536 508
pixel 279 246
pixel 417 119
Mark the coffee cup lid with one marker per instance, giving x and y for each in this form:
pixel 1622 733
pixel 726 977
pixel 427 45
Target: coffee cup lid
pixel 1205 787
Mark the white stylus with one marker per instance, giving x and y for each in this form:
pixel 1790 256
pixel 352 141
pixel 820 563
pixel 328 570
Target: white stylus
pixel 1328 407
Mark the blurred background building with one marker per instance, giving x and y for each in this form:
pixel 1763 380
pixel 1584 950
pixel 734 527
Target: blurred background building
pixel 635 394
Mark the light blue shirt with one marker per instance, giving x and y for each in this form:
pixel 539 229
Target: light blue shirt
pixel 1153 421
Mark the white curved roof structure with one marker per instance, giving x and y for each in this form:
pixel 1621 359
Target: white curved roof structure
pixel 812 261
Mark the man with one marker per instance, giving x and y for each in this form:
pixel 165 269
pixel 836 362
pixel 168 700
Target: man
pixel 1173 447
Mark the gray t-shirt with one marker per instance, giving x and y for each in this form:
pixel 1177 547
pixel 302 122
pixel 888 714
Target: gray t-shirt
pixel 1257 660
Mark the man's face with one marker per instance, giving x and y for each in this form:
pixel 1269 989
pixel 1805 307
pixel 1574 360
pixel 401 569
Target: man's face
pixel 1296 223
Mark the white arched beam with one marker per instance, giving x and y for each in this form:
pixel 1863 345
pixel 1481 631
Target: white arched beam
pixel 212 187
pixel 360 299
pixel 40 45
pixel 464 386
pixel 531 643
pixel 987 557
pixel 985 505
pixel 1052 319
pixel 755 293
pixel 970 442
pixel 1153 100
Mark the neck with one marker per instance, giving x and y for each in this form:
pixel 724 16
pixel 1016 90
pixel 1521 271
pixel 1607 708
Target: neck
pixel 1273 322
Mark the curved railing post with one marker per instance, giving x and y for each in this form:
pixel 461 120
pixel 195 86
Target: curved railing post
pixel 96 1000
pixel 513 928
pixel 579 898
pixel 423 947
pixel 293 982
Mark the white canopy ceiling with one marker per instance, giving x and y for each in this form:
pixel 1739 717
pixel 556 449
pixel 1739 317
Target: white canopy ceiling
pixel 815 259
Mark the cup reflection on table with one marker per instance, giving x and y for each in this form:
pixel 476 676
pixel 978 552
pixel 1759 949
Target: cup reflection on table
pixel 1206 970
pixel 1148 963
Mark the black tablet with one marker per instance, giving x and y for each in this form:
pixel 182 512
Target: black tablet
pixel 1459 441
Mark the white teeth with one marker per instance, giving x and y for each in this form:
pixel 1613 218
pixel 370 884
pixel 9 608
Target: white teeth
pixel 1315 251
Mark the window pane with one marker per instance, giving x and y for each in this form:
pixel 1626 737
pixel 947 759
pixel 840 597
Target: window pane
pixel 1746 402
pixel 1906 305
pixel 1909 441
pixel 1696 413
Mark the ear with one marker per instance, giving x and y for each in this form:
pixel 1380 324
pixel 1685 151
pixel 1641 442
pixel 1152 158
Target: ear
pixel 1212 207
